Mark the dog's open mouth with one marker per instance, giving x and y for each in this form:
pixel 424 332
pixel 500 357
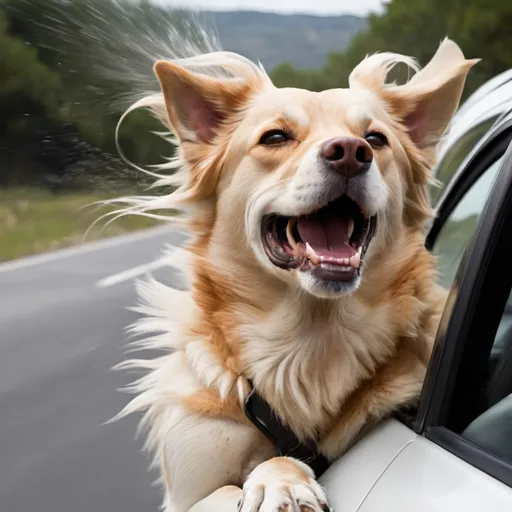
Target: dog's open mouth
pixel 331 242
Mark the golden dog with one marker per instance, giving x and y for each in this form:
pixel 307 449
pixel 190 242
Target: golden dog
pixel 306 269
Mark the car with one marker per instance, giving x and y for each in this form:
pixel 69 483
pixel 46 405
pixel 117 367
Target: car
pixel 473 119
pixel 454 451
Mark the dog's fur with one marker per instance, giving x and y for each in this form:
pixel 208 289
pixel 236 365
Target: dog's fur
pixel 330 360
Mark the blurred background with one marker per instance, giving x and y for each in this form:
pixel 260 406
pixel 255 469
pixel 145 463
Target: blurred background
pixel 69 68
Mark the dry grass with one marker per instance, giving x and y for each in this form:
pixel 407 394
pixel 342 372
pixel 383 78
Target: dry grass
pixel 34 221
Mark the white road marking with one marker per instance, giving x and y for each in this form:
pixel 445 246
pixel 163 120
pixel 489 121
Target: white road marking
pixel 83 249
pixel 131 273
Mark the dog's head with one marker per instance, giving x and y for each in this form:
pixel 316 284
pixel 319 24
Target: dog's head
pixel 321 185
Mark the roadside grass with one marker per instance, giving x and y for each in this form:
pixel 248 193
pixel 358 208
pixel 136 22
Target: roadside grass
pixel 33 221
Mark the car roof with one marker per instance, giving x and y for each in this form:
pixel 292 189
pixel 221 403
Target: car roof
pixel 492 99
pixel 488 88
pixel 503 123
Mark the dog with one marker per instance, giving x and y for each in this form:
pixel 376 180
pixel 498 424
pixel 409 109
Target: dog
pixel 306 275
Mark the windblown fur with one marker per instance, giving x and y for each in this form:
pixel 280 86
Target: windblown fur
pixel 330 364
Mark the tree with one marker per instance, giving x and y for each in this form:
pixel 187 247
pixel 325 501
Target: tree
pixel 26 83
pixel 103 52
pixel 480 27
pixel 29 94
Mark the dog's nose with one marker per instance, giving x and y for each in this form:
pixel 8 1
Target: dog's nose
pixel 347 155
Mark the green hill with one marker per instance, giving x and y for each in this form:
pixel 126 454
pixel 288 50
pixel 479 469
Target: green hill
pixel 302 40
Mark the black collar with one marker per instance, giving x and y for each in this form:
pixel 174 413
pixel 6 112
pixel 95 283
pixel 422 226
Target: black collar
pixel 263 417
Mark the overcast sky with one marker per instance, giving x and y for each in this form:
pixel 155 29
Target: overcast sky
pixel 285 6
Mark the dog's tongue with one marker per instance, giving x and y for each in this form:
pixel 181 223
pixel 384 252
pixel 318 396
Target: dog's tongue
pixel 327 235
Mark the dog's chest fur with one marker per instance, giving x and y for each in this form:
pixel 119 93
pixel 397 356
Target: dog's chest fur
pixel 305 359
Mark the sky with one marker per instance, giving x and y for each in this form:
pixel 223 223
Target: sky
pixel 321 7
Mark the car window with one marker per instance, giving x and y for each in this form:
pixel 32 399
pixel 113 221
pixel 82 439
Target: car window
pixel 491 430
pixel 455 156
pixel 467 401
pixel 460 226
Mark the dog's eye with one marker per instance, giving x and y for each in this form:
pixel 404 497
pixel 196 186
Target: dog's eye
pixel 273 138
pixel 376 139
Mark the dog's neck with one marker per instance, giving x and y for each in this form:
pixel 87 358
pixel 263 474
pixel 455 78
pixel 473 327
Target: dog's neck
pixel 305 355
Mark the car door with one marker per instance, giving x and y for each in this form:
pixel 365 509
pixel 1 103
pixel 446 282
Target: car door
pixel 441 458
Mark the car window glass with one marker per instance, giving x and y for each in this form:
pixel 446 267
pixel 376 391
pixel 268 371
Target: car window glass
pixel 480 410
pixel 491 430
pixel 456 154
pixel 459 227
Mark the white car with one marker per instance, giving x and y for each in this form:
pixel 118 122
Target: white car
pixel 471 122
pixel 454 453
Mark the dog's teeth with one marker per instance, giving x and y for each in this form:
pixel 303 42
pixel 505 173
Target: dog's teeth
pixel 336 268
pixel 350 228
pixel 312 255
pixel 355 260
pixel 300 250
pixel 289 233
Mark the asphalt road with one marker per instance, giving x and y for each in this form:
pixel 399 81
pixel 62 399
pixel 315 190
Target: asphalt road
pixel 60 335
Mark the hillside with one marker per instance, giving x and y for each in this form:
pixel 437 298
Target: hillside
pixel 302 40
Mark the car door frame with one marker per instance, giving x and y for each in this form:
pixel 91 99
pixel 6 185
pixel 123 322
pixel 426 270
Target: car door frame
pixel 473 311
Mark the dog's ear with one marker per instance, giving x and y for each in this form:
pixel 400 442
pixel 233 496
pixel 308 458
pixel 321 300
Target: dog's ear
pixel 423 107
pixel 198 105
pixel 426 104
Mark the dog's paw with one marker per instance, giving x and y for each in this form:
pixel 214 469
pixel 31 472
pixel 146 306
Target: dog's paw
pixel 282 484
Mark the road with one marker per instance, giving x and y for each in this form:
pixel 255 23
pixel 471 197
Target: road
pixel 62 321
